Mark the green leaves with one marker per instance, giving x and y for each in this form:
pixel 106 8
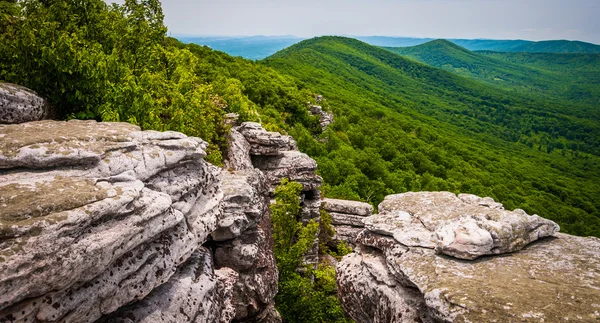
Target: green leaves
pixel 301 299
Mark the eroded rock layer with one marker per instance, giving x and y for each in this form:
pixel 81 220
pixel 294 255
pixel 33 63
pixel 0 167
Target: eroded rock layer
pixel 403 271
pixel 347 219
pixel 96 216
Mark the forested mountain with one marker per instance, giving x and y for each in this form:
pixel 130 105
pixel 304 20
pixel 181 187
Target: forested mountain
pixel 259 47
pixel 573 79
pixel 547 46
pixel 500 45
pixel 401 126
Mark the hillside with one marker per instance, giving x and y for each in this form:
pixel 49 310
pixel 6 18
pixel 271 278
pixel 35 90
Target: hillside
pixel 572 78
pixel 548 46
pixel 404 126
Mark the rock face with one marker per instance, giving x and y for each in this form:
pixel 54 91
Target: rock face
pixel 464 226
pixel 277 156
pixel 347 219
pixel 96 216
pixel 19 104
pixel 326 118
pixel 404 269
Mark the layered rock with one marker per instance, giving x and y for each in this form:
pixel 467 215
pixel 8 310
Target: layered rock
pixel 19 104
pixel 404 269
pixel 96 216
pixel 347 218
pixel 277 156
pixel 326 118
pixel 244 243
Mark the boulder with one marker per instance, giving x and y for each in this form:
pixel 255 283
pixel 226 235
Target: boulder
pixel 244 203
pixel 294 165
pixel 347 207
pixel 263 142
pixel 326 118
pixel 97 215
pixel 238 152
pixel 244 243
pixel 399 273
pixel 463 228
pixel 19 104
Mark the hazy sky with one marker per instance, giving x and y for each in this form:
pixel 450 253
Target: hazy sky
pixel 496 19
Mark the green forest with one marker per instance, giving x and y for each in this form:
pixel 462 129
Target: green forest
pixel 400 125
pixel 405 126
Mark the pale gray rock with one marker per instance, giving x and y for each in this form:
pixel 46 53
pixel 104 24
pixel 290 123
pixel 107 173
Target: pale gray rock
pixel 370 293
pixel 105 216
pixel 554 279
pixel 326 118
pixel 348 207
pixel 310 201
pixel 398 272
pixel 465 230
pixel 251 256
pixel 19 104
pixel 195 293
pixel 264 143
pixel 238 152
pixel 294 165
pixel 244 202
pixel 347 219
pixel 346 234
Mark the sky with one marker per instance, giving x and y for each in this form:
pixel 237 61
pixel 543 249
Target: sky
pixel 490 19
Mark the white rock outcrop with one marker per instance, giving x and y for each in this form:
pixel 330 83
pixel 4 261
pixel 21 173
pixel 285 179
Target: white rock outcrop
pixel 413 263
pixel 102 221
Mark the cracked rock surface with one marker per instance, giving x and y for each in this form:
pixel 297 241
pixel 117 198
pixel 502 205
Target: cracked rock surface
pixel 403 269
pixel 347 219
pixel 102 221
pixel 19 104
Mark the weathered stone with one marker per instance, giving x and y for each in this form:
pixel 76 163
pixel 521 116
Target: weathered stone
pixel 555 279
pixel 465 230
pixel 244 203
pixel 294 165
pixel 264 143
pixel 110 216
pixel 251 255
pixel 19 104
pixel 310 201
pixel 347 219
pixel 370 293
pixel 326 118
pixel 347 207
pixel 396 274
pixel 238 152
pixel 195 293
pixel 345 233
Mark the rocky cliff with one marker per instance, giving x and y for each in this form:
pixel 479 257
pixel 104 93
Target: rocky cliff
pixel 438 257
pixel 347 218
pixel 102 221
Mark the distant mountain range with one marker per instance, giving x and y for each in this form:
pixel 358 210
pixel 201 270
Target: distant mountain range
pixel 574 77
pixel 259 47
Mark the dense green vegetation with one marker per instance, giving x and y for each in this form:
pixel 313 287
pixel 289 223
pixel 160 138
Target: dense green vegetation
pixel 114 63
pixel 526 46
pixel 571 80
pixel 404 126
pixel 308 296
